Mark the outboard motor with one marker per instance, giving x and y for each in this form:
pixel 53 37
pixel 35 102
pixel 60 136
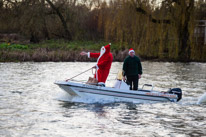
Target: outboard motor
pixel 176 91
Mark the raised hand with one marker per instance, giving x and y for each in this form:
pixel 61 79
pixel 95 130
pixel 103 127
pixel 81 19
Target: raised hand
pixel 83 53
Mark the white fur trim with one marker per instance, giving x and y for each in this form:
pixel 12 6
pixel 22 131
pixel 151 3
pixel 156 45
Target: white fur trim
pixel 102 51
pixel 110 44
pixel 88 54
pixel 97 67
pixel 96 74
pixel 131 51
pixel 101 83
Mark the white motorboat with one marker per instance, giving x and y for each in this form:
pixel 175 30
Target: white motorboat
pixel 82 90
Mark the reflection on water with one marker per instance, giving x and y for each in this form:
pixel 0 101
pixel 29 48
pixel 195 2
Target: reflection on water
pixel 30 103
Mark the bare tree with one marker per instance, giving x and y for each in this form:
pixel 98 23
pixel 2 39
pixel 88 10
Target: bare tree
pixel 181 15
pixel 61 17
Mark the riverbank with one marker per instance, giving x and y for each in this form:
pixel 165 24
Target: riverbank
pixel 61 50
pixel 42 55
pixel 55 50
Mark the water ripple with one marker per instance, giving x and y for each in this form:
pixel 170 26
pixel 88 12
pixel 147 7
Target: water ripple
pixel 31 105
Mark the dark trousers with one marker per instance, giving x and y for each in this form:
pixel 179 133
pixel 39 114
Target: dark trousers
pixel 133 82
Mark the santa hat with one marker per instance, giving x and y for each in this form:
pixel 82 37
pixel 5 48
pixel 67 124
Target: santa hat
pixel 131 50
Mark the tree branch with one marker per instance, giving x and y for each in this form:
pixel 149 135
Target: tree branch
pixel 142 11
pixel 68 34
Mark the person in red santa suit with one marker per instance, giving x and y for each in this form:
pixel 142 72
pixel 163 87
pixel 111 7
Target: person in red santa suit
pixel 104 61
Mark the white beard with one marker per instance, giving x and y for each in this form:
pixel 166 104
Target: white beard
pixel 102 51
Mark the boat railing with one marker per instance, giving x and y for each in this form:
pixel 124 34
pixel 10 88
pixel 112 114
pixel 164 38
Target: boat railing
pixel 147 85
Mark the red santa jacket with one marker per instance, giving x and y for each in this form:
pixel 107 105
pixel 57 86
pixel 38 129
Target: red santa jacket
pixel 104 62
pixel 105 58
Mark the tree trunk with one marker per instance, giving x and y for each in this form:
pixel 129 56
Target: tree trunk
pixel 184 34
pixel 45 30
pixel 67 32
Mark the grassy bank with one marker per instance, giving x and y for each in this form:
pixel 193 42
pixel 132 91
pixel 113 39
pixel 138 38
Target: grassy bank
pixel 54 50
pixel 61 50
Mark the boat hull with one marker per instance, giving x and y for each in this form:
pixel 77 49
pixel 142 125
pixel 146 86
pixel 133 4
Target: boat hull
pixel 114 95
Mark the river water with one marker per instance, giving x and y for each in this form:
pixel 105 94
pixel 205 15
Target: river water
pixel 32 106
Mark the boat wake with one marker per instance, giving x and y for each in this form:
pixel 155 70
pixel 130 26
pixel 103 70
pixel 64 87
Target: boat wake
pixel 202 99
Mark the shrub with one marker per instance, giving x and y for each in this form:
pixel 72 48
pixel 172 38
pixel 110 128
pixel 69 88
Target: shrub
pixel 13 46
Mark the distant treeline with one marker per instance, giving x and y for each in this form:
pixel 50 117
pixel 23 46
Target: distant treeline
pixel 162 29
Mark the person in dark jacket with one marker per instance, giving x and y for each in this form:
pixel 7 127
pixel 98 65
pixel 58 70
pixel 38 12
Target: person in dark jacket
pixel 132 70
